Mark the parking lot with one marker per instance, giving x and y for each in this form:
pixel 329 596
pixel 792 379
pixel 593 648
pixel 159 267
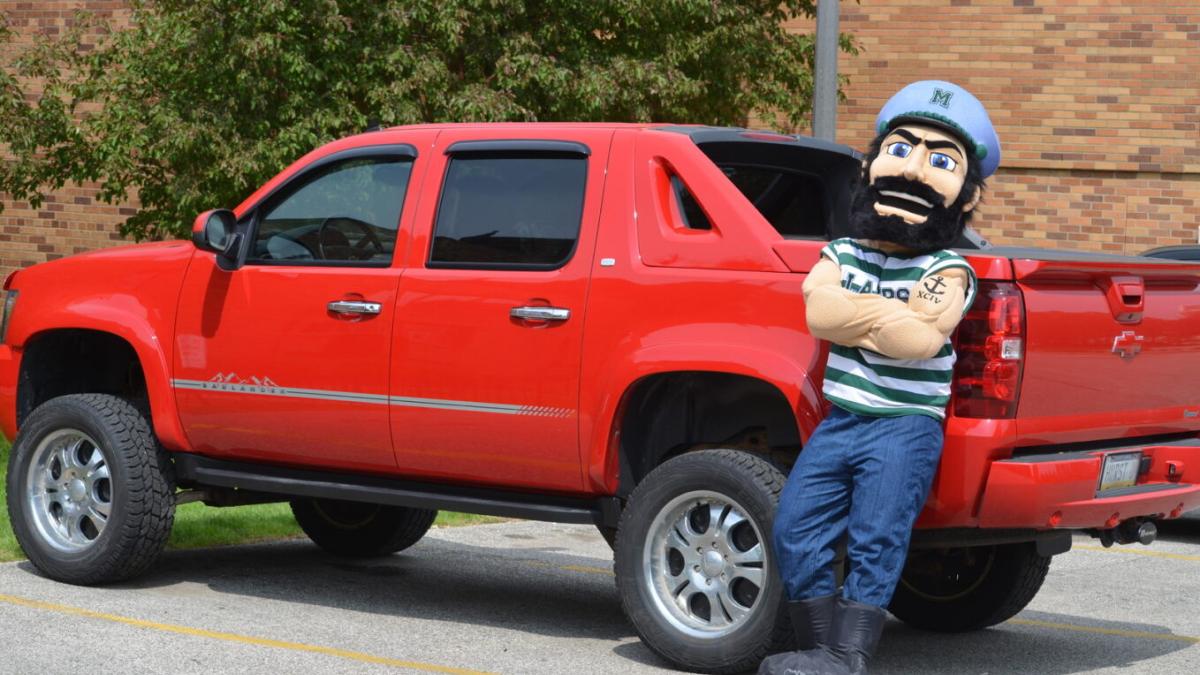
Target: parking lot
pixel 524 597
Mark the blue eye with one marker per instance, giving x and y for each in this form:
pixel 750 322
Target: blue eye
pixel 939 161
pixel 899 149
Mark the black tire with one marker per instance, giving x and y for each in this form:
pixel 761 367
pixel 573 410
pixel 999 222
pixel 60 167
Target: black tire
pixel 679 499
pixel 115 463
pixel 359 530
pixel 965 589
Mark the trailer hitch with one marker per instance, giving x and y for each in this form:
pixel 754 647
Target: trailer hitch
pixel 1135 530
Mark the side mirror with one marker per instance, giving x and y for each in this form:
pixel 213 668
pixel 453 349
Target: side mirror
pixel 216 231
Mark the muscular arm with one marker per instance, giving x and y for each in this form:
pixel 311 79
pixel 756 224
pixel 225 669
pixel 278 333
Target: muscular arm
pixel 839 315
pixel 916 330
pixel 933 312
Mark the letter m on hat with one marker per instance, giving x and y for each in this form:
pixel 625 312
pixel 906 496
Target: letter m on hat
pixel 941 97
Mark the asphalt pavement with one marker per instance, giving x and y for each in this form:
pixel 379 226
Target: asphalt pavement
pixel 529 598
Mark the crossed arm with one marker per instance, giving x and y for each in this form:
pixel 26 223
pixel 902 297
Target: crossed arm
pixel 913 330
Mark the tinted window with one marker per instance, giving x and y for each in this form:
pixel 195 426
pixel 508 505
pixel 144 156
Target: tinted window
pixel 794 203
pixel 693 216
pixel 349 211
pixel 509 210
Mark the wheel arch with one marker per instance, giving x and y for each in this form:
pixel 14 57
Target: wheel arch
pixel 702 396
pixel 120 356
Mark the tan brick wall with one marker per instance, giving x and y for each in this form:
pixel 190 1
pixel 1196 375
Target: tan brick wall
pixel 1097 104
pixel 71 220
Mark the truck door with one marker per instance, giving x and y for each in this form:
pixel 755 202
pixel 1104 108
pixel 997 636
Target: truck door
pixel 490 313
pixel 285 359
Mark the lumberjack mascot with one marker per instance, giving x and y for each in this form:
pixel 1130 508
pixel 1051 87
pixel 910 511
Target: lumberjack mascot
pixel 887 299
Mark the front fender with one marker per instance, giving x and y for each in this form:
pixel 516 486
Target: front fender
pixel 129 292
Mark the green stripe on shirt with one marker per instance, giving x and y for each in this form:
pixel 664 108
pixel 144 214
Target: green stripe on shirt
pixel 881 385
pixel 896 395
pixel 942 376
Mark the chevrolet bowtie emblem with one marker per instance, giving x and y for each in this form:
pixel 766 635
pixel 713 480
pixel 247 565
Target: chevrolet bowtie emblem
pixel 1127 345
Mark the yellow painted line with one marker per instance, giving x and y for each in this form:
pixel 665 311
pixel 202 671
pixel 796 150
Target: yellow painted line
pixel 586 570
pixel 1106 631
pixel 1137 551
pixel 234 637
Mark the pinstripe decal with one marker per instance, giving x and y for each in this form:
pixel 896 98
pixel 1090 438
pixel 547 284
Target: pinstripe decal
pixel 275 390
pixel 443 404
pixel 269 388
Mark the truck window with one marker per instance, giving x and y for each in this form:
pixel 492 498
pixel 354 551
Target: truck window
pixel 345 213
pixel 693 216
pixel 794 203
pixel 512 210
pixel 800 186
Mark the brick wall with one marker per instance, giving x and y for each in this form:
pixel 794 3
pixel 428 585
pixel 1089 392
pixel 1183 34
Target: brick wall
pixel 1097 104
pixel 71 220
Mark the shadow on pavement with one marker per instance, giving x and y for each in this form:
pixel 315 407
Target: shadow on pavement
pixel 544 591
pixel 1033 642
pixel 519 589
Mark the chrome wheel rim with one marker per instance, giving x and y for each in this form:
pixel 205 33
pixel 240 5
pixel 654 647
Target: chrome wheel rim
pixel 68 490
pixel 705 564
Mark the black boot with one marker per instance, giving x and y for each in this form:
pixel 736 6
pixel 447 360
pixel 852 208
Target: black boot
pixel 812 622
pixel 856 633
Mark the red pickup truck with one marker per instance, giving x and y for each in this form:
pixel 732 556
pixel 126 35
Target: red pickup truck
pixel 589 323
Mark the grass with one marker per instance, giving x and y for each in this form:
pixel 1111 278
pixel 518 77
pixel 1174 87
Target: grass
pixel 197 525
pixel 8 543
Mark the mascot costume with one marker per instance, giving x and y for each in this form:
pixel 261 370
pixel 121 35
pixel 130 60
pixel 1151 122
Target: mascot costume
pixel 887 299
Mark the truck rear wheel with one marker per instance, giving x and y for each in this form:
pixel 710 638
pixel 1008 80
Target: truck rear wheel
pixel 359 530
pixel 90 490
pixel 965 589
pixel 694 567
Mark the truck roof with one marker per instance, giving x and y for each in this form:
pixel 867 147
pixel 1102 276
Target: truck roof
pixel 699 133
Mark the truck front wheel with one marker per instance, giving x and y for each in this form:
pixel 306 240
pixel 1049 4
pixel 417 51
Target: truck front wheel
pixel 90 490
pixel 694 568
pixel 964 589
pixel 358 530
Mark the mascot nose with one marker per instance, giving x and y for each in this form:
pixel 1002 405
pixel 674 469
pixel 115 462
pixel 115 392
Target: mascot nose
pixel 914 168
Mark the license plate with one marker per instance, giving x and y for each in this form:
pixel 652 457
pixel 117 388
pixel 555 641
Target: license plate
pixel 1120 470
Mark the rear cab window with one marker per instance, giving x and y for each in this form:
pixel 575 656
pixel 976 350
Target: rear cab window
pixel 800 186
pixel 793 202
pixel 509 208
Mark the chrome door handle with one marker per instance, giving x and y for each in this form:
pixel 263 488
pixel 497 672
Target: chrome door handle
pixel 540 313
pixel 354 307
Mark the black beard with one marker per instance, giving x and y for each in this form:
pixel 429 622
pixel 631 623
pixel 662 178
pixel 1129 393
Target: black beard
pixel 941 229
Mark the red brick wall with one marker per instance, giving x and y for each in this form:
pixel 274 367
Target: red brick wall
pixel 1097 104
pixel 70 220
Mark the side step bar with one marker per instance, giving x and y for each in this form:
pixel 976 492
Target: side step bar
pixel 196 471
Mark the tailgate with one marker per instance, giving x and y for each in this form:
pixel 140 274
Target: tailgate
pixel 1112 350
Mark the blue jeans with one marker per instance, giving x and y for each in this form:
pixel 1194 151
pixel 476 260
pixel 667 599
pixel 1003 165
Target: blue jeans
pixel 863 478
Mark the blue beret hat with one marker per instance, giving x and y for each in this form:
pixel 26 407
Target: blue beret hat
pixel 947 106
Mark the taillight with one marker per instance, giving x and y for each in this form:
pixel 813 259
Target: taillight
pixel 9 302
pixel 991 351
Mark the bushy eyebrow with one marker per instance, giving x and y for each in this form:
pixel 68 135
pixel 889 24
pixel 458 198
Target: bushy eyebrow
pixel 932 145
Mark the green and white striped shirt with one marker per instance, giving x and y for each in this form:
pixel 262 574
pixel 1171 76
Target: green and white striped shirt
pixel 867 383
